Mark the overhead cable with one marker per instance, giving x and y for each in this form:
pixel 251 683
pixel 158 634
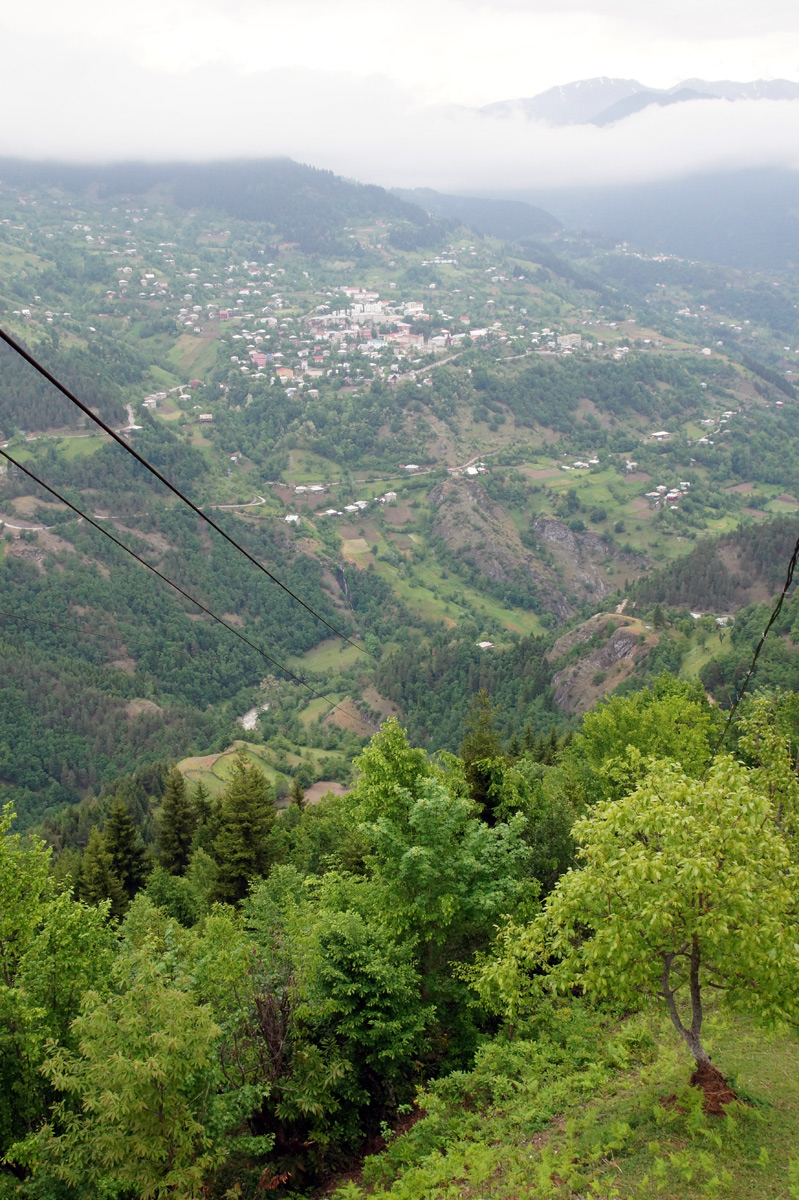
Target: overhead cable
pixel 54 625
pixel 220 620
pixel 775 613
pixel 84 408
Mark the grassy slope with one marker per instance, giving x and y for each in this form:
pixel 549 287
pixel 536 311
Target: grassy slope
pixel 582 1115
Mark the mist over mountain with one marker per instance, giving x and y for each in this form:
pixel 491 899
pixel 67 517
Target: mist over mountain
pixel 496 218
pixel 603 100
pixel 743 219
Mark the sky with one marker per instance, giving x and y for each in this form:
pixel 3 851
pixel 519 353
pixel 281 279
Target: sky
pixel 386 92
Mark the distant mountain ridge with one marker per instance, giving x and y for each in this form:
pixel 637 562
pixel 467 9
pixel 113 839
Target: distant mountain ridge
pixel 306 205
pixel 507 219
pixel 604 100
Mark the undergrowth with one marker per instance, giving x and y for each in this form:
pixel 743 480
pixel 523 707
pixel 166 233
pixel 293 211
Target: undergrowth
pixel 585 1106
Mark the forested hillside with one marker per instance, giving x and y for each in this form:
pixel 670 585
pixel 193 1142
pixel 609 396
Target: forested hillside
pixel 311 970
pixel 521 381
pixel 403 865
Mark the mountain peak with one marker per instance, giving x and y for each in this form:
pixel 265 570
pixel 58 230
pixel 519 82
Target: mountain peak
pixel 604 100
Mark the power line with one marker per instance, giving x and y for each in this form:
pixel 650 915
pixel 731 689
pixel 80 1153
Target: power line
pixel 53 625
pixel 172 584
pixel 758 648
pixel 84 408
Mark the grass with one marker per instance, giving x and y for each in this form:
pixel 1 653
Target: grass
pixel 215 771
pixel 577 1107
pixel 162 378
pixel 330 655
pixel 71 448
pixel 193 356
pixel 313 711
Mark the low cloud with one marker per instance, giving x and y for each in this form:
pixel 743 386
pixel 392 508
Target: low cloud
pixel 364 127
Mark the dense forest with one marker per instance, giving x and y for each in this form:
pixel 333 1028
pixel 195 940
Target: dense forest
pixel 203 998
pixel 305 205
pixel 703 579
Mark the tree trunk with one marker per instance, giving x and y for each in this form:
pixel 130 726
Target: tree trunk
pixel 691 1036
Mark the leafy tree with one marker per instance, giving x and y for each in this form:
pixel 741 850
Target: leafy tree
pixel 369 991
pixel 124 844
pixel 685 884
pixel 671 720
pixel 51 950
pixel 98 879
pixel 445 876
pixel 769 736
pixel 246 816
pixel 177 826
pixel 144 1111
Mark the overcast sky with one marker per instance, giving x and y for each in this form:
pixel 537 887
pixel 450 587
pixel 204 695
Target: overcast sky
pixel 382 92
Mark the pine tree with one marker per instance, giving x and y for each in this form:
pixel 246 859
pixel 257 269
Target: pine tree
pixel 128 856
pixel 549 750
pixel 206 813
pixel 297 792
pixel 177 826
pixel 480 744
pixel 98 880
pixel 246 815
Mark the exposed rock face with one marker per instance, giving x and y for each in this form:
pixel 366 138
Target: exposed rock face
pixel 620 642
pixel 585 556
pixel 479 531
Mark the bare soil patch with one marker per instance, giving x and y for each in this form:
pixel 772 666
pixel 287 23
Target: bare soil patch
pixel 317 790
pixel 540 472
pixel 386 708
pixel 717 1091
pixel 398 514
pixel 128 665
pixel 134 708
pixel 742 488
pixel 346 716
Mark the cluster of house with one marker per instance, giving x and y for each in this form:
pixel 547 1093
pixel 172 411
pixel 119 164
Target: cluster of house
pixel 714 426
pixel 365 311
pixel 348 509
pixel 662 495
pixel 579 464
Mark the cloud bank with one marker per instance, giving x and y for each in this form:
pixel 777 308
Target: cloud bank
pixel 368 127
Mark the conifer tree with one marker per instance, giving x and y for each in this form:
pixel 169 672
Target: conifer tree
pixel 297 792
pixel 205 811
pixel 128 856
pixel 549 749
pixel 480 744
pixel 98 880
pixel 246 815
pixel 177 826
